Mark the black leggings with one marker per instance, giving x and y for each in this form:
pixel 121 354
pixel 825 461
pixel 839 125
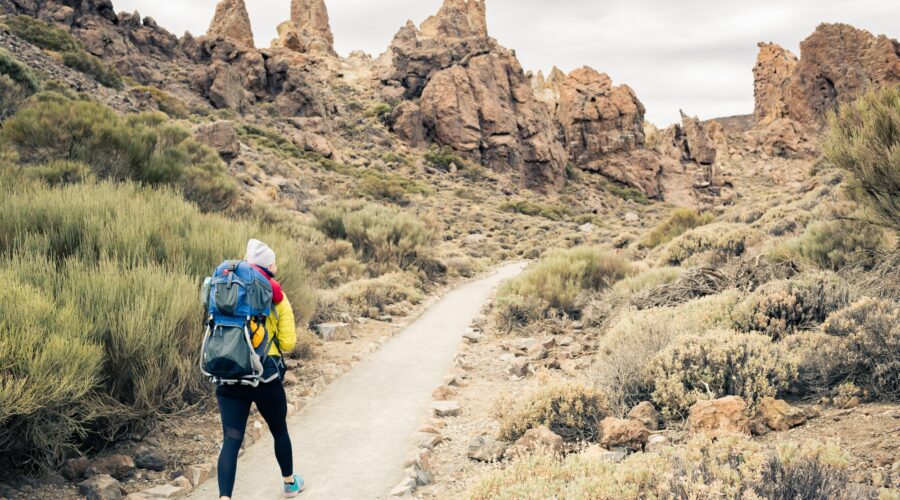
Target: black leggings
pixel 234 404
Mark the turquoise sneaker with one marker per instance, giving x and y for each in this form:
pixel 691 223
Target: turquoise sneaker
pixel 292 490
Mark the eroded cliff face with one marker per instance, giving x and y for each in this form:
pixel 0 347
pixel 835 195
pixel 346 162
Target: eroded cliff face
pixel 837 62
pixel 472 95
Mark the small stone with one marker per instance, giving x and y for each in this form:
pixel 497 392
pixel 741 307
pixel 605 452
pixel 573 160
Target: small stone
pixel 75 468
pixel 537 352
pixel 485 449
pixel 539 439
pixel 446 408
pixel 473 337
pixel 426 440
pixel 406 487
pixel 646 414
pixel 758 427
pixel 179 487
pixel 100 487
pixel 117 466
pixel 199 474
pixel 443 393
pixel 586 228
pixel 632 217
pixel 291 378
pixel 428 428
pixel 779 415
pixel 151 460
pixel 519 367
pixel 334 332
pixel 507 358
pixel 629 433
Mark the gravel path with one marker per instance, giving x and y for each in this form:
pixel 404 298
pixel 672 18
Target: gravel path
pixel 350 443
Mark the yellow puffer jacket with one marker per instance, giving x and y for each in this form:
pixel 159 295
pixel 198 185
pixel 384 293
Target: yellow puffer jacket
pixel 282 329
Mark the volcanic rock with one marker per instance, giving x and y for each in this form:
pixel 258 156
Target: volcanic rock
pixel 725 414
pixel 308 30
pixel 771 76
pixel 232 21
pixel 629 433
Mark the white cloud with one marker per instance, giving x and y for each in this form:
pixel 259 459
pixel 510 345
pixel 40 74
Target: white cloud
pixel 695 55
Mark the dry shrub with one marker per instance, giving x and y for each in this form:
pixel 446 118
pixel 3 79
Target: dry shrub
pixel 341 271
pixel 384 238
pixel 650 278
pixel 705 467
pixel 693 284
pixel 369 297
pixel 815 354
pixel 783 219
pixel 681 220
pixel 781 308
pixel 835 245
pixel 871 354
pixel 635 337
pixel 571 410
pixel 863 141
pixel 721 240
pixel 718 364
pixel 556 285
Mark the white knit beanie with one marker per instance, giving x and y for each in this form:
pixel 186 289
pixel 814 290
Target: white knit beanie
pixel 259 254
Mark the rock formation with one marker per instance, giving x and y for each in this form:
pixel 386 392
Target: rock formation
pixel 598 120
pixel 308 30
pixel 771 76
pixel 546 89
pixel 837 63
pixel 473 95
pixel 232 22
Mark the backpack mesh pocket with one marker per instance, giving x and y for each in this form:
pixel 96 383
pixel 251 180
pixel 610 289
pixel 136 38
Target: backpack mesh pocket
pixel 228 356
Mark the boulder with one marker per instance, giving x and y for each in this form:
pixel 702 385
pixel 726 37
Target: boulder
pixel 100 487
pixel 445 408
pixel 629 433
pixel 231 21
pixel 646 414
pixel 221 136
pixel 698 144
pixel 74 468
pixel 785 138
pixel 179 487
pixel 538 439
pixel 657 442
pixel 443 393
pixel 779 415
pixel 117 466
pixel 151 460
pixel 407 123
pixel 485 449
pixel 727 414
pixel 334 332
pixel 198 474
pixel 598 453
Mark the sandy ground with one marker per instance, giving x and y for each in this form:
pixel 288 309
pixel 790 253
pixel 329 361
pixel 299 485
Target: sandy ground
pixel 351 441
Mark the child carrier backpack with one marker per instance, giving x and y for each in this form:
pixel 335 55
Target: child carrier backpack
pixel 237 300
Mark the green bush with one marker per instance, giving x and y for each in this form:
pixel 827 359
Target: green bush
pixel 556 285
pixel 384 238
pixel 719 364
pixel 166 103
pixel 383 112
pixel 723 240
pixel 534 209
pixel 19 72
pixel 444 158
pixel 780 308
pixel 833 246
pixel 49 37
pixel 93 67
pixel 863 141
pixel 681 220
pixel 341 271
pixel 389 187
pixel 41 33
pixel 111 304
pixel 570 410
pixel 143 147
pixel 12 95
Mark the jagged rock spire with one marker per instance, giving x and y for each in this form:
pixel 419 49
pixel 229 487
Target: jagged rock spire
pixel 232 22
pixel 458 19
pixel 308 30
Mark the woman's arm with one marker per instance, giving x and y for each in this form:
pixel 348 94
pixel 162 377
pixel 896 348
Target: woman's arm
pixel 287 331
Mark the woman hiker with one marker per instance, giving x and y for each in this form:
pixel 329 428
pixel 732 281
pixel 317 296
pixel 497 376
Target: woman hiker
pixel 271 401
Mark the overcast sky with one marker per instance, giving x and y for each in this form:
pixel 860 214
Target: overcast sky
pixel 695 55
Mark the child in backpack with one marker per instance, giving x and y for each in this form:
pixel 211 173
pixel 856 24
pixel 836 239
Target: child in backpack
pixel 270 399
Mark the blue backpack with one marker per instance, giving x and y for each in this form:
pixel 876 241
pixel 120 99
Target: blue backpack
pixel 234 298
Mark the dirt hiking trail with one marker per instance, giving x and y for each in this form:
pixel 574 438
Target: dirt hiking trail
pixel 351 441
